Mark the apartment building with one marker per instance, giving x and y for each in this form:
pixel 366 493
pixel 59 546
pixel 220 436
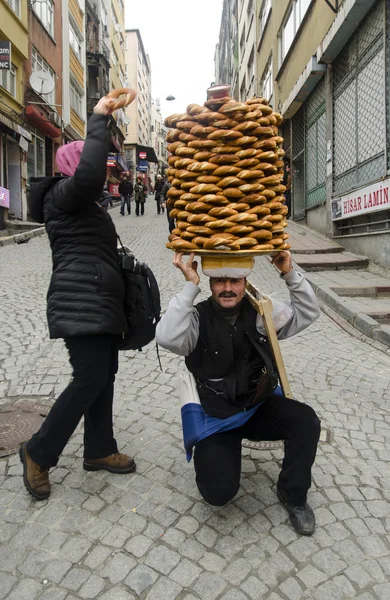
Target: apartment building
pixel 138 143
pixel 158 141
pixel 227 50
pixel 323 66
pixel 14 137
pixel 247 48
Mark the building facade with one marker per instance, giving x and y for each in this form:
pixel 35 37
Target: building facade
pixel 324 66
pixel 14 137
pixel 227 50
pixel 158 141
pixel 138 142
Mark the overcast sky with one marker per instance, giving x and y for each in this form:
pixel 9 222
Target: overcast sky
pixel 180 38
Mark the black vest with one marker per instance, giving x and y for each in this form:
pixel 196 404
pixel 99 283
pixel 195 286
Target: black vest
pixel 232 365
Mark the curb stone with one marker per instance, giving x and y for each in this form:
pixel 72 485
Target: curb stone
pixel 19 238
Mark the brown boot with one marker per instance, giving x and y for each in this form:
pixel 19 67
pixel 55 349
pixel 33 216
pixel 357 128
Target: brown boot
pixel 35 478
pixel 115 463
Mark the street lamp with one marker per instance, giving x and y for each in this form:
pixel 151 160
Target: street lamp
pixel 170 98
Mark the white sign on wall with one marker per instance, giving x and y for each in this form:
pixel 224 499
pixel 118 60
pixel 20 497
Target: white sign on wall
pixel 371 198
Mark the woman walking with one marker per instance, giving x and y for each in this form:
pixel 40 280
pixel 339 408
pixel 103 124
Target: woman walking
pixel 84 307
pixel 140 192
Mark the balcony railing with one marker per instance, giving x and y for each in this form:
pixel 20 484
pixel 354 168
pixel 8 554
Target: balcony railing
pixel 94 46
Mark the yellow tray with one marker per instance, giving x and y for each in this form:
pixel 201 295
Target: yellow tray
pixel 224 253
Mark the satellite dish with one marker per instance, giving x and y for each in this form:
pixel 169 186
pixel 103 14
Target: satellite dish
pixel 42 83
pixel 126 120
pixel 118 28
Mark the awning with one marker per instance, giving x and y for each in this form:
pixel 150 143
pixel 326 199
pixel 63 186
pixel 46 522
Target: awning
pixel 15 127
pixel 37 118
pixel 150 153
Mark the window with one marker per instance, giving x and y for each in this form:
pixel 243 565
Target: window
pixel 242 91
pixel 251 66
pixel 39 64
pixel 74 41
pixel 291 25
pixel 249 7
pixel 242 42
pixel 76 98
pixel 266 84
pixel 44 11
pixel 263 16
pixel 15 5
pixel 36 157
pixel 8 80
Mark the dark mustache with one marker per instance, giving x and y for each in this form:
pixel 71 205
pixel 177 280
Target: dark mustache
pixel 227 295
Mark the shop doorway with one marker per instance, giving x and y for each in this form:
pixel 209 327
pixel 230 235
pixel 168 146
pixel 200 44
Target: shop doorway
pixel 14 179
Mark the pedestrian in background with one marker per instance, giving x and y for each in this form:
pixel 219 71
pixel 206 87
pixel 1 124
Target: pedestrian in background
pixel 140 193
pixel 157 193
pixel 85 307
pixel 126 191
pixel 164 198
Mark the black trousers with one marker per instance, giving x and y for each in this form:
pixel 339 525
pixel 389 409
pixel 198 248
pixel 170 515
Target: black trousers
pixel 158 203
pixel 94 360
pixel 171 221
pixel 217 459
pixel 137 206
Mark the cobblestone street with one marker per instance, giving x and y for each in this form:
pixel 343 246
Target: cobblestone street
pixel 149 535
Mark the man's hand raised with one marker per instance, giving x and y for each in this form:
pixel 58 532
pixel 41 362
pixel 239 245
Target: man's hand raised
pixel 283 261
pixel 189 269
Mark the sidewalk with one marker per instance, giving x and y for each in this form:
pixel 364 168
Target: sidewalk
pixel 341 280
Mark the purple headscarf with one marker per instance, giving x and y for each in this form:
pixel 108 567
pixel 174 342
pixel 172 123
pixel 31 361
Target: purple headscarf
pixel 68 157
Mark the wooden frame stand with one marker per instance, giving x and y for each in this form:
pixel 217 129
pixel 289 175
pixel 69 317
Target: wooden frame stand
pixel 263 305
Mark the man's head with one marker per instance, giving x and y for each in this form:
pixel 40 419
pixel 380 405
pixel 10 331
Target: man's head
pixel 227 291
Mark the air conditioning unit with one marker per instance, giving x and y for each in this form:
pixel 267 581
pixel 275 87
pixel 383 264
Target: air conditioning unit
pixel 105 31
pixel 55 118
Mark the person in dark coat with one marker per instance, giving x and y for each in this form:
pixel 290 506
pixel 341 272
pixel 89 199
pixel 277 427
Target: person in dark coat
pixel 126 191
pixel 85 307
pixel 164 198
pixel 157 193
pixel 140 193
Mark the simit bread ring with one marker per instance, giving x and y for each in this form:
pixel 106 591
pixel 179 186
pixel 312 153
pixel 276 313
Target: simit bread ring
pixel 240 229
pixel 199 240
pixel 208 117
pixel 261 234
pixel 215 103
pixel 201 130
pixel 200 230
pixel 247 163
pixel 274 205
pixel 200 218
pixel 225 149
pixel 225 235
pixel 224 159
pixel 250 187
pixel 179 244
pixel 182 215
pixel 182 163
pixel 246 242
pixel 264 166
pixel 265 144
pixel 244 141
pixel 185 125
pixel 258 210
pixel 271 179
pixel 200 144
pixel 205 188
pixel 174 193
pixel 128 97
pixel 275 218
pixel 174 146
pixel 239 206
pixel 202 166
pixel 187 197
pixel 200 207
pixel 203 155
pixel 173 213
pixel 215 199
pixel 187 185
pixel 267 155
pixel 246 126
pixel 186 235
pixel 230 181
pixel 225 124
pixel 251 174
pixel 276 241
pixel 194 109
pixel 269 194
pixel 232 106
pixel 278 188
pixel 187 137
pixel 234 193
pixel 171 160
pixel 176 232
pixel 222 212
pixel 262 224
pixel 220 224
pixel 208 179
pixel 264 247
pixel 225 170
pixel 262 212
pixel 278 228
pixel 247 153
pixel 218 242
pixel 242 218
pixel 184 174
pixel 225 134
pixel 185 151
pixel 173 135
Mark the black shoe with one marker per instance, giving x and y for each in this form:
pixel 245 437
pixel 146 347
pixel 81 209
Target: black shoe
pixel 301 517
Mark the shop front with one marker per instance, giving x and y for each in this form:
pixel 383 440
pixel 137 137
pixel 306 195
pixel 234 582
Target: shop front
pixel 116 168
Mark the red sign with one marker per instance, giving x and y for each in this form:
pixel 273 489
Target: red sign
pixel 142 155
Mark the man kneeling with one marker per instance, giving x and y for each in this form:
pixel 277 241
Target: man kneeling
pixel 226 349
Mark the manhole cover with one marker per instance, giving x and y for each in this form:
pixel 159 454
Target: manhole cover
pixel 17 424
pixel 277 445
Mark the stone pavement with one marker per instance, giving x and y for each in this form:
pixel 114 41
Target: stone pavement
pixel 149 535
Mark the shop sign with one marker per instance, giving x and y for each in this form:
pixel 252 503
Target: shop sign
pixel 114 189
pixel 4 197
pixel 5 55
pixel 142 155
pixel 371 198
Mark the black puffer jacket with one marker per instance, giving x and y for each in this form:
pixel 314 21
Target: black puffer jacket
pixel 86 293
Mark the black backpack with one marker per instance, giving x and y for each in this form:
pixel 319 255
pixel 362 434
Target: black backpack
pixel 142 302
